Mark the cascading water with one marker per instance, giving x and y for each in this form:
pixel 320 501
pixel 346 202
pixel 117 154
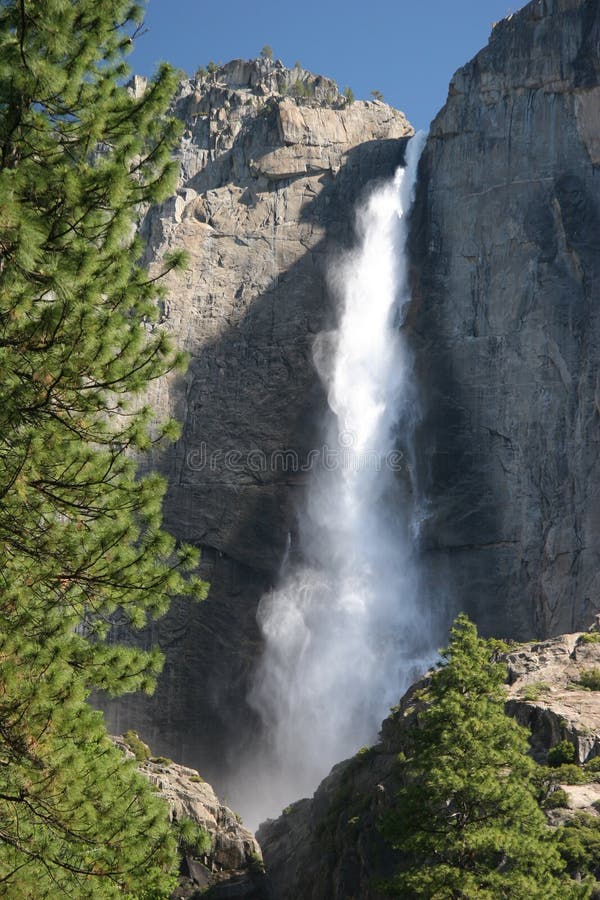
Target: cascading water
pixel 344 634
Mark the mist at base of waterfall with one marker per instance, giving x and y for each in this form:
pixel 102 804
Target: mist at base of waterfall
pixel 345 630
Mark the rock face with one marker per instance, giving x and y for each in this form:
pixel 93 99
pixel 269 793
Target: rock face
pixel 506 326
pixel 547 697
pixel 329 847
pixel 272 163
pixel 232 865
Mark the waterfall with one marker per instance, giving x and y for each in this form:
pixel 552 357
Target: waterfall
pixel 344 630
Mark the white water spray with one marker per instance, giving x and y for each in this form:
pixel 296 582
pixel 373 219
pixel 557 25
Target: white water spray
pixel 344 633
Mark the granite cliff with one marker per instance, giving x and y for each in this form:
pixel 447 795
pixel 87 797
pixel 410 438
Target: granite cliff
pixel 503 323
pixel 229 865
pixel 506 329
pixel 272 161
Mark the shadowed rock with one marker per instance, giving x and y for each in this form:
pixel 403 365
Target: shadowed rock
pixel 505 322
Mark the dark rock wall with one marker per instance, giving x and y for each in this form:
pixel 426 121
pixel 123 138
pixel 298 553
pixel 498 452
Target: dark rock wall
pixel 505 323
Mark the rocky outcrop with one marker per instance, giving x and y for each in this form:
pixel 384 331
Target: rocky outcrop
pixel 506 326
pixel 232 865
pixel 272 163
pixel 547 695
pixel 329 847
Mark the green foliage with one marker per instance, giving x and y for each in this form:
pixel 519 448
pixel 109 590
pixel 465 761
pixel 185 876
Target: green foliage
pixel 590 679
pixel 569 773
pixel 467 820
pixel 556 799
pixel 197 779
pixel 592 765
pixel 377 95
pixel 534 690
pixel 161 760
pixel 81 821
pixel 212 67
pixel 349 95
pixel 579 845
pixel 589 637
pixel 140 750
pixel 80 534
pixel 547 781
pixel 256 864
pixel 192 838
pixel 266 52
pixel 365 752
pixel 563 752
pixel 302 90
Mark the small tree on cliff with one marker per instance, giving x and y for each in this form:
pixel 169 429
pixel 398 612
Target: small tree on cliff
pixel 467 818
pixel 79 531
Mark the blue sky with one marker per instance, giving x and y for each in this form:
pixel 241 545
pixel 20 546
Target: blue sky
pixel 407 49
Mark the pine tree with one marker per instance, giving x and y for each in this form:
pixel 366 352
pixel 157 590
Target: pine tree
pixel 467 818
pixel 80 534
